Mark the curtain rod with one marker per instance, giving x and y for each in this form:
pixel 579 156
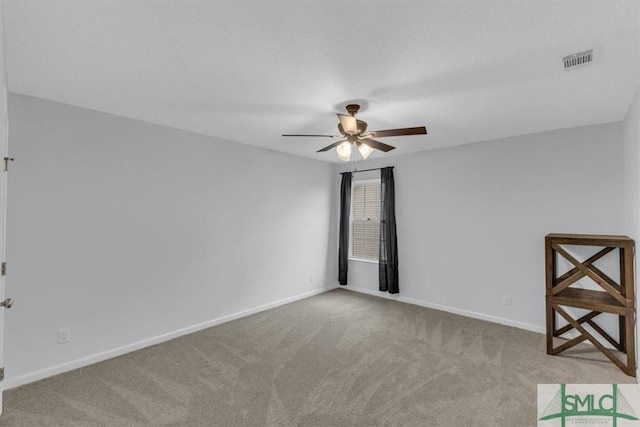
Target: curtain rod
pixel 366 170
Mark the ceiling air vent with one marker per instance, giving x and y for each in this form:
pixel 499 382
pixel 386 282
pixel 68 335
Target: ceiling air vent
pixel 578 59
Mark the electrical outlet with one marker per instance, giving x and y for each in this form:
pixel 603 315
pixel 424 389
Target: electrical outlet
pixel 64 335
pixel 506 299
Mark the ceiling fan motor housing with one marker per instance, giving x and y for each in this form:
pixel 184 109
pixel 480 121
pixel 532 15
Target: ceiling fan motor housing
pixel 362 127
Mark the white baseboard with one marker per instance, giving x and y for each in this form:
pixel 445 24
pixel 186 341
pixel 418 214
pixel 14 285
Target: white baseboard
pixel 99 357
pixel 448 309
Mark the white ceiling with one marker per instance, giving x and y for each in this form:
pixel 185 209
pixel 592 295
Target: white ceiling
pixel 249 71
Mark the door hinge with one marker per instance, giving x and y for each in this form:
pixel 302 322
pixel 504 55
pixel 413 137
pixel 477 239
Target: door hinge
pixel 1 374
pixel 6 163
pixel 4 269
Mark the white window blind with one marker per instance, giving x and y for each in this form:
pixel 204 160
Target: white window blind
pixel 365 223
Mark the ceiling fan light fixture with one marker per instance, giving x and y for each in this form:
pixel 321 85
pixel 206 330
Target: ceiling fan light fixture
pixel 344 151
pixel 365 150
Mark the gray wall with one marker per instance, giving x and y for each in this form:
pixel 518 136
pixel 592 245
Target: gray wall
pixel 472 219
pixel 124 231
pixel 631 138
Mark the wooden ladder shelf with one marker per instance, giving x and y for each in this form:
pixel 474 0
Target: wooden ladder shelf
pixel 614 298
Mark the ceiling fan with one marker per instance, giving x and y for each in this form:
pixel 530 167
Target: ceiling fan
pixel 353 132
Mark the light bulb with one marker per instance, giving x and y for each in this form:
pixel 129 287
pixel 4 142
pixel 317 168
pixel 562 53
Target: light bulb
pixel 365 150
pixel 344 151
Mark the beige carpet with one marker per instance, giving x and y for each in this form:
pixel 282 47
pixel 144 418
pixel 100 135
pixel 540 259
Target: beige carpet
pixel 336 359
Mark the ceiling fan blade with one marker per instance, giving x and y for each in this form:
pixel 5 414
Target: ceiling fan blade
pixel 325 136
pixel 349 124
pixel 397 132
pixel 330 146
pixel 377 145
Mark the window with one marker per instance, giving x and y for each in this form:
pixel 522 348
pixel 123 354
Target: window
pixel 365 220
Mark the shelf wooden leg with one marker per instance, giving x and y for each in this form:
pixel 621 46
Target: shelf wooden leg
pixel 630 342
pixel 551 323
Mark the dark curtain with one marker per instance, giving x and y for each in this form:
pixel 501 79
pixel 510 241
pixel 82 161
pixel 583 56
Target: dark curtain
pixel 388 262
pixel 345 212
